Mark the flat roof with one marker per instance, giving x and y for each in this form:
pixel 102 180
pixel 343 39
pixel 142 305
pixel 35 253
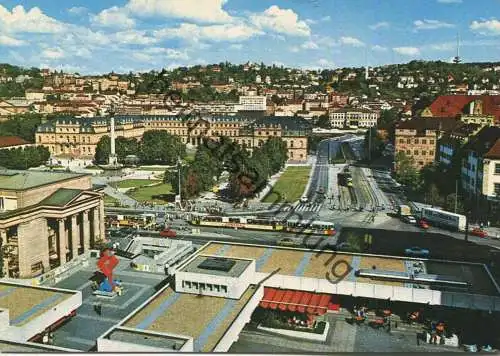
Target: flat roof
pixel 26 302
pixel 316 264
pixel 23 180
pixel 140 337
pixel 204 318
pixel 237 267
pixel 12 346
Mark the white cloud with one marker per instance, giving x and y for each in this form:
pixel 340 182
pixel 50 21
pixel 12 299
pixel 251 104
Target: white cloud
pixel 309 45
pixel 325 19
pixel 325 63
pixel 78 10
pixel 379 25
pixel 113 17
pixel 236 46
pixel 142 57
pixel 33 20
pixel 486 27
pixel 407 51
pixel 379 48
pixel 431 25
pixel 294 49
pixel 449 1
pixel 134 37
pixel 449 46
pixel 169 53
pixel 214 33
pixel 279 20
pixel 198 10
pixel 351 41
pixel 53 53
pixel 10 41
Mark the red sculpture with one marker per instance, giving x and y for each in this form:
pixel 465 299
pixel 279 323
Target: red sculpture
pixel 107 264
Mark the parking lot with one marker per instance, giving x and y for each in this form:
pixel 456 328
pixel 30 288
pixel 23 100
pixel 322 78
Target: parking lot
pixel 82 330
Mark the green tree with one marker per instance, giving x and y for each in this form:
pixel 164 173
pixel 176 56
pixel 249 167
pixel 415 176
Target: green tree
pixel 102 150
pixel 406 173
pixel 24 158
pixel 276 152
pixel 324 122
pixel 160 147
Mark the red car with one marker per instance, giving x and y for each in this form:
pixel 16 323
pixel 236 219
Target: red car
pixel 168 233
pixel 479 232
pixel 423 224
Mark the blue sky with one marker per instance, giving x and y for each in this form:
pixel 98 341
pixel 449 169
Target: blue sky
pixel 91 36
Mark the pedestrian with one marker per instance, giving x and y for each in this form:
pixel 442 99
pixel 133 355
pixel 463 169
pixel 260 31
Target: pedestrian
pixel 418 339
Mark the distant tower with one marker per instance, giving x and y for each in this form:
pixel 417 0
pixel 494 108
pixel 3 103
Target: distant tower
pixel 113 160
pixel 367 73
pixel 457 59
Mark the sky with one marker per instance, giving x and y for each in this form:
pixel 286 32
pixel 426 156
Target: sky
pixel 100 36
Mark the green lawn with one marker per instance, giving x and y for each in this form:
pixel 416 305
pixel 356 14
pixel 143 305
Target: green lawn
pixel 290 186
pixel 144 194
pixel 134 183
pixel 110 201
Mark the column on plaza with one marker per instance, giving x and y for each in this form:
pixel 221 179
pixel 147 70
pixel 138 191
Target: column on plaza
pixel 97 225
pixel 75 237
pixel 101 220
pixel 62 240
pixel 86 230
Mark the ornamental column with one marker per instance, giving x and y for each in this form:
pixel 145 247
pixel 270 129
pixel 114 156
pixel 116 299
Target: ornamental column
pixel 75 237
pixel 86 230
pixel 61 237
pixel 97 226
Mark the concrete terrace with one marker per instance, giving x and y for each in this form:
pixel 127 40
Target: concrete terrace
pixel 304 263
pixel 25 303
pixel 204 318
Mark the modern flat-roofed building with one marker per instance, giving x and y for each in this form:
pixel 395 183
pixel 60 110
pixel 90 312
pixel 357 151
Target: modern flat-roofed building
pixel 217 289
pixel 354 118
pixel 46 220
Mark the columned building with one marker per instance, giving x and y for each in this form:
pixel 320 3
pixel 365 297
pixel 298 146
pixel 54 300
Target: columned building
pixel 46 220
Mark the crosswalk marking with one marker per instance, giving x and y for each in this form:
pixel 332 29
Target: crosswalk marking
pixel 313 208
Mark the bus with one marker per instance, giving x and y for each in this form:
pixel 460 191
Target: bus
pixel 444 219
pixel 345 179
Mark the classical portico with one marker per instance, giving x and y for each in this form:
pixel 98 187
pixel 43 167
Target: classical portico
pixel 40 237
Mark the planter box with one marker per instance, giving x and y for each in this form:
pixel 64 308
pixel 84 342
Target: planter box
pixel 299 334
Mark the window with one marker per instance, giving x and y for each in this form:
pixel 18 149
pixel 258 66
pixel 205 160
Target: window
pixel 431 142
pixel 2 206
pixel 408 141
pixel 401 140
pixel 408 152
pixel 223 289
pixel 431 153
pixel 416 152
pixel 424 153
pixel 497 168
pixel 424 141
pixel 497 189
pixel 416 140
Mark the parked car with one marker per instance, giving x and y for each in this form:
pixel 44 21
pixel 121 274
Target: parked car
pixel 321 190
pixel 409 219
pixel 168 233
pixel 417 252
pixel 479 232
pixel 423 224
pixel 304 199
pixel 288 242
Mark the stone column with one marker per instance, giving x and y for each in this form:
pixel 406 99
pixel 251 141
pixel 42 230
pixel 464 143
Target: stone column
pixel 86 231
pixel 101 220
pixel 62 241
pixel 97 226
pixel 75 237
pixel 5 266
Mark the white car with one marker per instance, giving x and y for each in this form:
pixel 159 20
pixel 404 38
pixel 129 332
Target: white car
pixel 410 219
pixel 304 199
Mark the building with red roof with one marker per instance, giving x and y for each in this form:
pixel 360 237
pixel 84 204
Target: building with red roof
pixel 458 106
pixel 9 142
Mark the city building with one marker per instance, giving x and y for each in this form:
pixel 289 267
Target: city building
pixel 79 137
pixel 452 141
pixel 253 103
pixel 11 142
pixel 481 165
pixel 418 138
pixel 354 118
pixel 46 220
pixel 469 105
pixel 292 130
pixel 216 290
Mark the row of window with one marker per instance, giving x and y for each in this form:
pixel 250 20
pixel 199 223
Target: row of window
pixel 497 168
pixel 423 153
pixel 204 287
pixel 422 141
